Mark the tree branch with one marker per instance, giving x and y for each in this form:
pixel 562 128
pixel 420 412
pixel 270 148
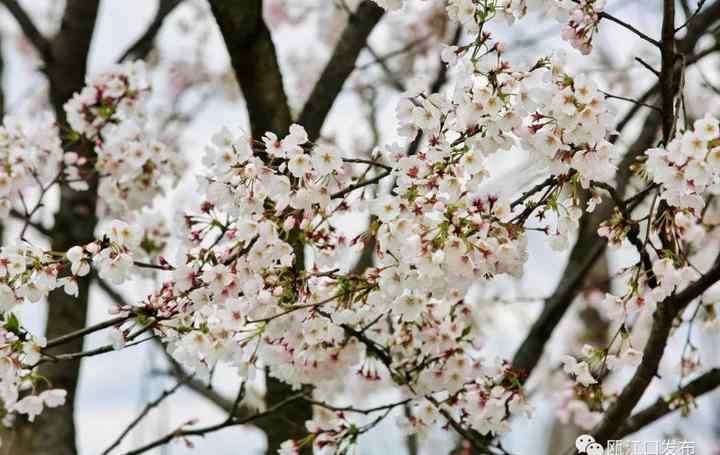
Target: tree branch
pixel 148 407
pixel 588 245
pixel 652 354
pixel 53 432
pixel 669 77
pixel 587 249
pixel 37 226
pixel 85 331
pixel 39 42
pixel 339 67
pixel 697 27
pixel 610 17
pixel 629 100
pixel 202 431
pixel 671 307
pixel 253 58
pixel 142 46
pixel 703 384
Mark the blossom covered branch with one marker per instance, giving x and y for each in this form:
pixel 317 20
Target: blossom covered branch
pixel 260 279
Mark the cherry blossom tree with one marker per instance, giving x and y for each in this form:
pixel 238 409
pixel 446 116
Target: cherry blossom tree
pixel 267 274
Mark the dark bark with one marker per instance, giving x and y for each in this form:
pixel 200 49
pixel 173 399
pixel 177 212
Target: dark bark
pixel 70 49
pixel 707 382
pixel 587 249
pixel 340 66
pixel 53 432
pixel 669 74
pixel 144 44
pixel 39 42
pixel 254 61
pixel 532 347
pixel 663 318
pixel 594 332
pixel 253 57
pixel 669 309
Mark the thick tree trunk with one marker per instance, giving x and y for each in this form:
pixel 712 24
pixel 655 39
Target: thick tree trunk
pixel 252 53
pixel 563 436
pixel 588 247
pixel 253 57
pixel 254 60
pixel 596 327
pixel 53 432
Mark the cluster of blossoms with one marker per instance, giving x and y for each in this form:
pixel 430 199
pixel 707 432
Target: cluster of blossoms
pixel 258 282
pixel 29 273
pixel 689 166
pixel 484 405
pixel 582 22
pixel 110 113
pixel 563 121
pixel 583 398
pixel 599 359
pixel 30 155
pixel 113 256
pixel 569 125
pixel 238 296
pixel 643 297
pixel 684 172
pixel 581 17
pixel 579 370
pixel 330 432
pixel 20 353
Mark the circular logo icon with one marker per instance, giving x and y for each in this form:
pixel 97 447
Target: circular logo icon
pixel 585 442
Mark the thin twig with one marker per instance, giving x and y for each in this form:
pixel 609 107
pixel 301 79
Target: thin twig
pixel 647 66
pixel 39 42
pixel 610 17
pixel 629 100
pixel 219 426
pixel 148 407
pixel 360 184
pixel 86 330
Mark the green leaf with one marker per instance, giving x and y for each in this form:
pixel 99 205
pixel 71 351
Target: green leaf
pixel 12 324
